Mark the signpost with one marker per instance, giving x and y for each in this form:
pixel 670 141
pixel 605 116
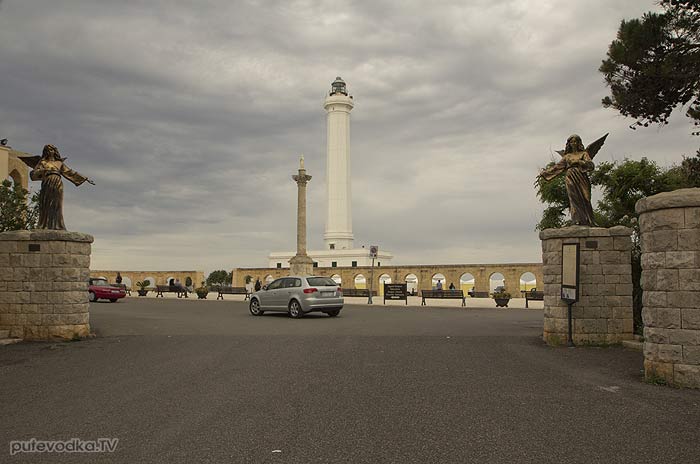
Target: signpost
pixel 396 292
pixel 570 279
pixel 373 250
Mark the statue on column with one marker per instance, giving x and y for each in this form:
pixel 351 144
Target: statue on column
pixel 49 168
pixel 577 162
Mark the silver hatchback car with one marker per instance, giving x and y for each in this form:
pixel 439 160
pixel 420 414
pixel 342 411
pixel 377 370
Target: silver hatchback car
pixel 298 295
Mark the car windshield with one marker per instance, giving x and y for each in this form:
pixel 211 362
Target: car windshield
pixel 100 283
pixel 321 282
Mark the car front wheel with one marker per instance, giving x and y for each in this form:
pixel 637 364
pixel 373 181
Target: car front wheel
pixel 295 309
pixel 333 313
pixel 255 308
pixel 92 297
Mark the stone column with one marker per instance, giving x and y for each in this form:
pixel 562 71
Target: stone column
pixel 670 238
pixel 43 284
pixel 603 314
pixel 301 263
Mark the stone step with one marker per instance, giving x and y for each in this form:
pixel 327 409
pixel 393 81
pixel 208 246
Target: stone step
pixel 9 341
pixel 633 345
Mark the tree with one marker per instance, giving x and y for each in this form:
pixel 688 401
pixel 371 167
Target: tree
pixel 653 65
pixel 16 213
pixel 219 277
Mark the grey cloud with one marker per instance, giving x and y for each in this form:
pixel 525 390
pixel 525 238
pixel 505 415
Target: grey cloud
pixel 191 118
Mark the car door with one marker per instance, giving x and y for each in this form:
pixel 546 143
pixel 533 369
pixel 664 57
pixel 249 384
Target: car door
pixel 290 289
pixel 269 298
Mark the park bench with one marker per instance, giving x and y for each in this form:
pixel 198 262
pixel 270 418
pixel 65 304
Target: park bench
pixel 160 289
pixel 226 290
pixel 361 292
pixel 533 295
pixel 443 295
pixel 124 287
pixel 474 294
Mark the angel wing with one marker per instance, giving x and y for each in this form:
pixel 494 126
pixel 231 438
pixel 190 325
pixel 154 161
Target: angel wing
pixel 30 161
pixel 595 147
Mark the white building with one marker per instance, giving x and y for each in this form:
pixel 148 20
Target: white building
pixel 338 237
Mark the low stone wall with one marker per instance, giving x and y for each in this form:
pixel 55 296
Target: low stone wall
pixel 603 314
pixel 670 239
pixel 43 284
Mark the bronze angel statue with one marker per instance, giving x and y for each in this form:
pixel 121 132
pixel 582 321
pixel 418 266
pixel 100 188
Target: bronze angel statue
pixel 49 168
pixel 577 161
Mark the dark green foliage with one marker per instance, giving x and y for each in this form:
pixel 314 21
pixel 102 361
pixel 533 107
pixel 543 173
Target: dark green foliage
pixel 16 213
pixel 220 277
pixel 653 65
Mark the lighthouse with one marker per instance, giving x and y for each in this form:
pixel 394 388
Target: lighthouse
pixel 338 104
pixel 338 240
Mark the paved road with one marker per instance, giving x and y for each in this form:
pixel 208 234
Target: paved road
pixel 186 381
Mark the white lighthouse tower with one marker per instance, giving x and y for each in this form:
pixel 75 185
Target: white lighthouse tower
pixel 338 238
pixel 338 104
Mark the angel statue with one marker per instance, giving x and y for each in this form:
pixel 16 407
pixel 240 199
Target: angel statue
pixel 577 162
pixel 49 167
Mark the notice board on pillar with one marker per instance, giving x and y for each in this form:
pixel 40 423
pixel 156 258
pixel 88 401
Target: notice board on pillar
pixel 570 272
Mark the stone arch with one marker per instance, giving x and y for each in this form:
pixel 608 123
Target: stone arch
pixel 467 283
pixel 268 279
pixel 496 279
pixel 438 277
pixel 360 281
pixel 384 278
pixel 127 282
pixel 167 281
pixel 411 283
pixel 338 280
pixel 152 282
pixel 528 281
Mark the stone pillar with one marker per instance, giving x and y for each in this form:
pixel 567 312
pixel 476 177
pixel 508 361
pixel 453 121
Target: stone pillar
pixel 603 314
pixel 301 263
pixel 43 284
pixel 670 238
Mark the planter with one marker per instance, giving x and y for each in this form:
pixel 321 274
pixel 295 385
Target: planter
pixel 143 292
pixel 502 302
pixel 202 295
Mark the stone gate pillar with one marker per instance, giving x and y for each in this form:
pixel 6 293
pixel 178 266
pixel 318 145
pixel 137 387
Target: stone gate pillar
pixel 603 314
pixel 670 238
pixel 43 284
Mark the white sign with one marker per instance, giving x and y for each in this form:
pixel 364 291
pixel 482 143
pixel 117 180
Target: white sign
pixel 569 272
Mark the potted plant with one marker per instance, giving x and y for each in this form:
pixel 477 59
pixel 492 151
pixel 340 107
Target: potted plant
pixel 502 298
pixel 142 287
pixel 202 291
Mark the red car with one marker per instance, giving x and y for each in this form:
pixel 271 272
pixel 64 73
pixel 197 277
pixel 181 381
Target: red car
pixel 100 288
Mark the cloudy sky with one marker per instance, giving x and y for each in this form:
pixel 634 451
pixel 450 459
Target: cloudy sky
pixel 191 116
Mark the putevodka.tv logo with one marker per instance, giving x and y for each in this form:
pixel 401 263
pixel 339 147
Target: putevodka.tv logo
pixel 74 445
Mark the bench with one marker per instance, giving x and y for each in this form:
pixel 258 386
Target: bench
pixel 358 292
pixel 443 295
pixel 170 289
pixel 226 290
pixel 479 294
pixel 123 286
pixel 533 295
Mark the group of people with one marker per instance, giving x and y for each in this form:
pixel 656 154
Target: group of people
pixel 439 285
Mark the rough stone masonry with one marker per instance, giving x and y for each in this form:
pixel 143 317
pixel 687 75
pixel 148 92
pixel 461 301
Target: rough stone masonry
pixel 43 284
pixel 603 314
pixel 670 239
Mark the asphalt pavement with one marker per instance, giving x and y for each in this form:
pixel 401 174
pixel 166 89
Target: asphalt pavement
pixel 187 382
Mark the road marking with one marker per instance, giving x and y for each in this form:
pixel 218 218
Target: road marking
pixel 610 389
